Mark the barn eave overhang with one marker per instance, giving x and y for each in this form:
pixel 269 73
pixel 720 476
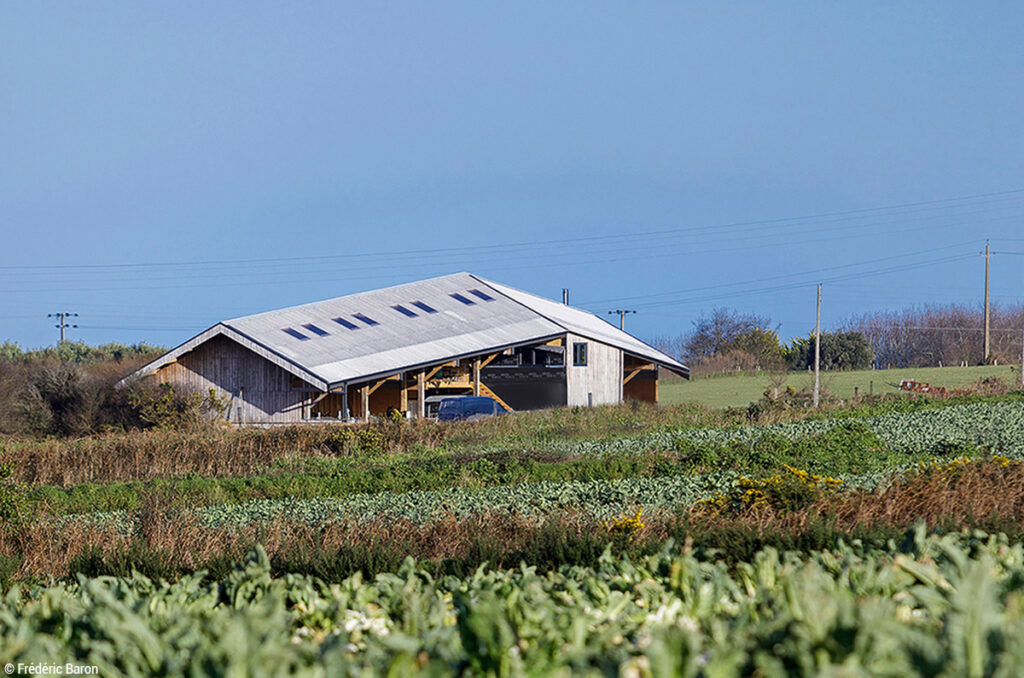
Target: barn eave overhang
pixel 413 367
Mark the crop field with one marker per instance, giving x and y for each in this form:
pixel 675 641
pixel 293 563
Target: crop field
pixel 739 390
pixel 882 537
pixel 937 606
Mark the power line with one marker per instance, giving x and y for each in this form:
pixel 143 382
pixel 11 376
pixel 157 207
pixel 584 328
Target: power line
pixel 430 267
pixel 785 275
pixel 571 242
pixel 943 328
pixel 146 329
pixel 804 284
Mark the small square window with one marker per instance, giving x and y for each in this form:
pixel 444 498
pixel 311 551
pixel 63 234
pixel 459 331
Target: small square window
pixel 579 353
pixel 295 333
pixel 424 307
pixel 481 295
pixel 404 311
pixel 315 330
pixel 464 300
pixel 366 319
pixel 346 323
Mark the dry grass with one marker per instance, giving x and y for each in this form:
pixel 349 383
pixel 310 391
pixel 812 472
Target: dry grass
pixel 973 491
pixel 222 451
pixel 974 494
pixel 213 452
pixel 48 553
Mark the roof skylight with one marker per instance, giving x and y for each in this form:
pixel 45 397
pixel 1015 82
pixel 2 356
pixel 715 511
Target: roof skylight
pixel 366 319
pixel 346 323
pixel 459 297
pixel 423 307
pixel 404 311
pixel 315 330
pixel 295 333
pixel 481 295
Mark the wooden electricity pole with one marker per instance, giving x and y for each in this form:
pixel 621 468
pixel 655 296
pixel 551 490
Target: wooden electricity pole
pixel 987 341
pixel 622 317
pixel 62 323
pixel 817 350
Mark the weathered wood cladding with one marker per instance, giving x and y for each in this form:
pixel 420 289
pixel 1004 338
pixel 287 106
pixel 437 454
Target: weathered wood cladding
pixel 256 389
pixel 640 380
pixel 643 387
pixel 599 382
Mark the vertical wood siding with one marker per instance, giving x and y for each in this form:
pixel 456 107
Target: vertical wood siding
pixel 601 377
pixel 256 389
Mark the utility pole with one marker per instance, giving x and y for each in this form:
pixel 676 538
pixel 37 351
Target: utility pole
pixel 622 317
pixel 62 322
pixel 817 350
pixel 987 342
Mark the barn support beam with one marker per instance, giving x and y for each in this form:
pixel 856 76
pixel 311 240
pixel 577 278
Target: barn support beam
pixel 476 377
pixel 421 394
pixel 488 392
pixel 364 402
pixel 435 370
pixel 643 368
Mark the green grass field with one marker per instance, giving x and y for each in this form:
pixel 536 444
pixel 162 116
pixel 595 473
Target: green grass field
pixel 738 391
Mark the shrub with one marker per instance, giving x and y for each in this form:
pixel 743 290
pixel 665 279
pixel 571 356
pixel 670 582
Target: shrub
pixel 629 526
pixel 839 351
pixel 168 409
pixel 791 490
pixel 58 400
pixel 12 497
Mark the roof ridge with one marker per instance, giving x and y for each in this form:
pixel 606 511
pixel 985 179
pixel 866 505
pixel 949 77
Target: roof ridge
pixel 491 285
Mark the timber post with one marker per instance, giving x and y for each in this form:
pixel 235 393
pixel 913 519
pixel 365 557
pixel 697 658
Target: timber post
pixel 476 377
pixel 421 394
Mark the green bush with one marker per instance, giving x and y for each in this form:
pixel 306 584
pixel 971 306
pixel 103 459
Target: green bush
pixel 167 409
pixel 839 351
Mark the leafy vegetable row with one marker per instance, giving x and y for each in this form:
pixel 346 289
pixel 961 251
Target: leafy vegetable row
pixel 946 606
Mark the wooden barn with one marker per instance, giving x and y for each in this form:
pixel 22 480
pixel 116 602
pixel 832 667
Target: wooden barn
pixel 363 354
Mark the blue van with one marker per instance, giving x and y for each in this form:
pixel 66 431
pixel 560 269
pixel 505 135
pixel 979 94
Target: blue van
pixel 468 408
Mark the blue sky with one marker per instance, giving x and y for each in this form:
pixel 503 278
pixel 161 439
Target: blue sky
pixel 169 166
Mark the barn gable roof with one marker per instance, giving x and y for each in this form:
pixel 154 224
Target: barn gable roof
pixel 401 328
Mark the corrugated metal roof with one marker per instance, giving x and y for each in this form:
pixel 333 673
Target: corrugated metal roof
pixel 588 325
pixel 400 328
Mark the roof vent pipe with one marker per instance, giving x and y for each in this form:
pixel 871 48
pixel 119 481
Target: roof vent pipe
pixel 565 296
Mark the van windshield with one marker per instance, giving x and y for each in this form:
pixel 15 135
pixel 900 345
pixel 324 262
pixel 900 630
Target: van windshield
pixel 450 405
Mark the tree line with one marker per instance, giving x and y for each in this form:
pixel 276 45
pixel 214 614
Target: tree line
pixel 69 389
pixel 726 340
pixel 951 334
